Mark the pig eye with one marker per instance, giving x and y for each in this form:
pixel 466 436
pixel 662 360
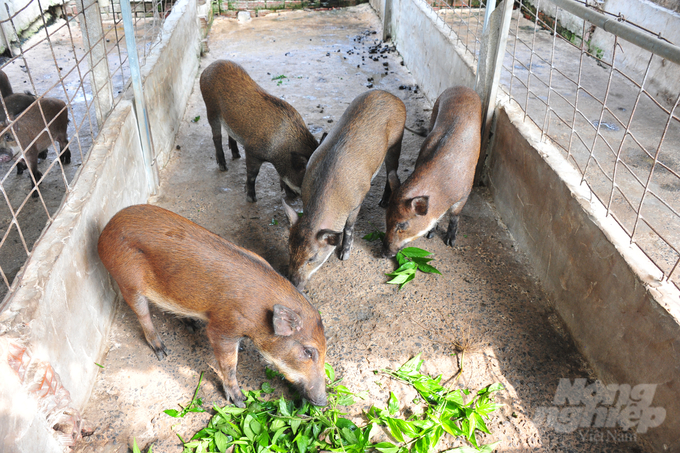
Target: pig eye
pixel 402 226
pixel 309 352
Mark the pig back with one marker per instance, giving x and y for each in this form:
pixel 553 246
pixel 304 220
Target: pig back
pixel 342 167
pixel 188 270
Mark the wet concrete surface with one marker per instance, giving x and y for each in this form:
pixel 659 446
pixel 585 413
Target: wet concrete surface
pixel 486 314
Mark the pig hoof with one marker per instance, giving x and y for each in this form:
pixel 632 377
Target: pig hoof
pixel 236 156
pixel 344 254
pixel 251 199
pixel 223 168
pixel 34 194
pixel 383 203
pixel 449 240
pixel 161 352
pixel 65 158
pixel 42 154
pixel 430 234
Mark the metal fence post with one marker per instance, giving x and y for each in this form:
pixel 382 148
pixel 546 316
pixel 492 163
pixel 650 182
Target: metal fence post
pixel 95 46
pixel 140 104
pixel 494 39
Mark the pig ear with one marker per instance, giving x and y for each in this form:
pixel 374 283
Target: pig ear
pixel 290 213
pixel 323 137
pixel 393 179
pixel 420 205
pixel 330 237
pixel 299 161
pixel 286 321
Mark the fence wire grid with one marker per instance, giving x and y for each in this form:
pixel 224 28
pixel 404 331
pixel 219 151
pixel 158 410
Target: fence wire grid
pixel 49 66
pixel 610 106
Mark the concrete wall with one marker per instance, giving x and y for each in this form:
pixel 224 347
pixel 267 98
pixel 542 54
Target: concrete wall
pixel 432 56
pixel 23 19
pixel 609 294
pixel 54 327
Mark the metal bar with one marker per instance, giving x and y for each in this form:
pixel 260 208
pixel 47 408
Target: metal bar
pixel 624 31
pixel 140 104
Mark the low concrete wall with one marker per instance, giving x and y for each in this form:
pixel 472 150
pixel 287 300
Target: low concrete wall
pixel 434 59
pixel 169 76
pixel 53 329
pixel 609 294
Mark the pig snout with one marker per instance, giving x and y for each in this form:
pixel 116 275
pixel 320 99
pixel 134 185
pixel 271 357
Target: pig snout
pixel 315 393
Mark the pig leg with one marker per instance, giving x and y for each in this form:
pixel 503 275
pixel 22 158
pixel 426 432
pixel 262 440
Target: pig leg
pixel 233 146
pixel 348 234
pixel 454 212
pixel 253 165
pixel 431 233
pixel 140 305
pixel 391 164
pixel 216 126
pixel 64 151
pixel 32 163
pixel 290 193
pixel 226 352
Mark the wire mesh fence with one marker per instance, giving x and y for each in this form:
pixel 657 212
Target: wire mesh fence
pixel 53 114
pixel 610 106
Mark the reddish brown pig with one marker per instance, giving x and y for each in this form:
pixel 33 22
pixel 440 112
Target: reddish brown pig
pixel 157 256
pixel 268 128
pixel 339 176
pixel 28 131
pixel 443 174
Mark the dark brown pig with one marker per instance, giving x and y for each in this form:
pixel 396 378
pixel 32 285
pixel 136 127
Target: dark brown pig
pixel 339 176
pixel 443 174
pixel 269 129
pixel 158 256
pixel 5 86
pixel 29 133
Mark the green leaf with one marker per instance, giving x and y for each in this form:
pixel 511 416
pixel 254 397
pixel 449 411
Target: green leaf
pixel 407 266
pixel 221 441
pixel 272 374
pixel 401 259
pixel 415 252
pixel 267 387
pixel 172 413
pixel 386 447
pixel 196 118
pixel 295 424
pixel 393 404
pixel 374 236
pixel 411 366
pixel 273 222
pixel 451 428
pixel 428 269
pixel 491 388
pixel 410 277
pixel 135 448
pixel 394 429
pixel 399 279
pixel 330 372
pixel 100 366
pixel 421 260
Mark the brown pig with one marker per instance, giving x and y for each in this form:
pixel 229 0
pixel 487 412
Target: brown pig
pixel 443 174
pixel 158 256
pixel 268 128
pixel 29 132
pixel 339 176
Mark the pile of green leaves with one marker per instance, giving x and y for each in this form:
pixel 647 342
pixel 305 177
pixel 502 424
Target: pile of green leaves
pixel 411 259
pixel 281 425
pixel 445 412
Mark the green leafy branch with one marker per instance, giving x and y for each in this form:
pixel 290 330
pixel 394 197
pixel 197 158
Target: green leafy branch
pixel 411 259
pixel 193 406
pixel 446 412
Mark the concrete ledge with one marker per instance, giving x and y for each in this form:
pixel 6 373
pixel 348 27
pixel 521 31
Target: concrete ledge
pixel 621 316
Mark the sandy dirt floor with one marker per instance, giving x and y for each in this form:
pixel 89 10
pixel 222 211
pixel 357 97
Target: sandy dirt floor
pixel 486 298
